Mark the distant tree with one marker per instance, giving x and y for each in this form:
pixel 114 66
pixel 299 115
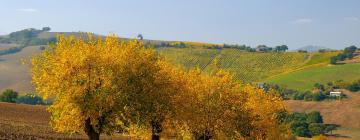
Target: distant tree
pixel 30 99
pixel 263 48
pixel 281 48
pixel 333 60
pixel 354 87
pixel 300 129
pixel 319 96
pixel 314 117
pixel 350 49
pixel 46 29
pixel 317 129
pixel 319 86
pixel 140 37
pixel 322 50
pixel 302 51
pixel 9 95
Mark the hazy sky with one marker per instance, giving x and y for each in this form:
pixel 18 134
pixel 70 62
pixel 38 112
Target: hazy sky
pixel 297 23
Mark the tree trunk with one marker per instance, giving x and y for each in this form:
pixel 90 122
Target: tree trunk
pixel 156 130
pixel 90 131
pixel 155 137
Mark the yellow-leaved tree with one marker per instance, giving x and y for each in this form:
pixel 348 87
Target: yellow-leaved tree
pixel 216 106
pixel 97 82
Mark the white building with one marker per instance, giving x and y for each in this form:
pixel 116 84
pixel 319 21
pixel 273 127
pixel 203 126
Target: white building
pixel 335 93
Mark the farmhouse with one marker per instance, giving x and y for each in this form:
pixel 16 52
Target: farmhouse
pixel 335 93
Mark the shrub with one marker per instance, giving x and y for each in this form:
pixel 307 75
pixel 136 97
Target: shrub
pixel 30 99
pixel 319 96
pixel 300 129
pixel 354 87
pixel 9 95
pixel 314 117
pixel 317 128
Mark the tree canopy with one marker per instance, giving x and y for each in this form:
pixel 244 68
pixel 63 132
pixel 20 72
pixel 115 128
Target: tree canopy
pixel 99 85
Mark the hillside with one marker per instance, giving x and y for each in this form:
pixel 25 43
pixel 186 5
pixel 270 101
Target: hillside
pixel 13 74
pixel 306 78
pixel 246 66
pixel 344 112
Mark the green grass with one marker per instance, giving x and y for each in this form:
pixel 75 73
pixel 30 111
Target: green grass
pixel 321 58
pixel 305 79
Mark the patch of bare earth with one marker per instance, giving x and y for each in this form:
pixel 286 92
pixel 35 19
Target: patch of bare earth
pixel 29 122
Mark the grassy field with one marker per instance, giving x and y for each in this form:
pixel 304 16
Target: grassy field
pixel 305 79
pixel 344 112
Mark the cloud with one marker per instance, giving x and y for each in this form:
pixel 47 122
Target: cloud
pixel 351 19
pixel 303 21
pixel 29 10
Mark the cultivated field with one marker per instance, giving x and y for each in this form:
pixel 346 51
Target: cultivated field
pixel 246 66
pixel 30 122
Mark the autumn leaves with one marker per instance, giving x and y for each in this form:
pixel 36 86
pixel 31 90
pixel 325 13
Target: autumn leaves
pixel 104 85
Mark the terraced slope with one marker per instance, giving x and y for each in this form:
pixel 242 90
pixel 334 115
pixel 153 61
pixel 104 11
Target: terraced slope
pixel 255 66
pixel 246 66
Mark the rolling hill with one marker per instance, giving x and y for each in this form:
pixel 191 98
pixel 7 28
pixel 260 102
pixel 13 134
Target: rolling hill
pixel 293 69
pixel 246 66
pixel 305 79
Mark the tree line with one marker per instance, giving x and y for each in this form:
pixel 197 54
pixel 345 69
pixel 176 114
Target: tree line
pixel 12 96
pixel 348 53
pixel 259 48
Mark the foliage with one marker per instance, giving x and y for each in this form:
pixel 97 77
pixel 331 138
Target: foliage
pixel 86 78
pixel 281 48
pixel 30 99
pixel 307 124
pixel 100 85
pixel 354 87
pixel 263 48
pixel 317 128
pixel 9 95
pixel 217 106
pixel 348 53
pixel 314 117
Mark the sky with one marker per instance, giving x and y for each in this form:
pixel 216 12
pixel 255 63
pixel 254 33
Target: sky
pixel 296 23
